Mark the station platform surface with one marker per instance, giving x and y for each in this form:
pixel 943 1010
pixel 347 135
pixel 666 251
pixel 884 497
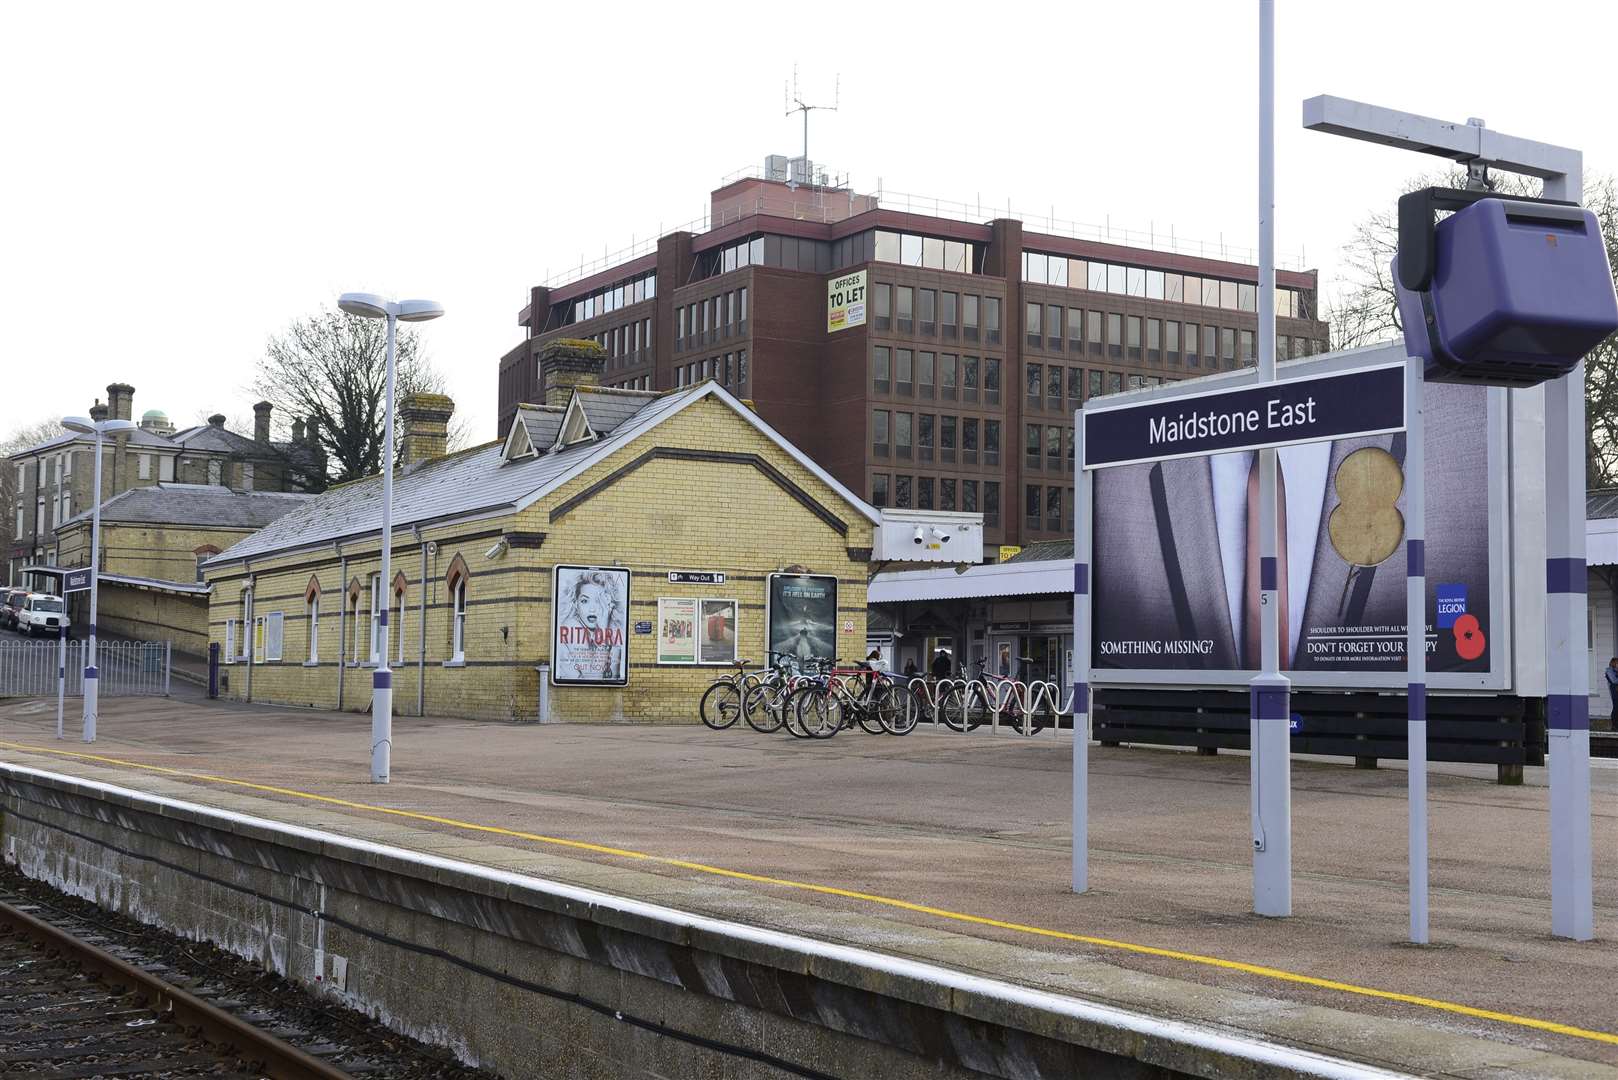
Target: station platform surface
pixel 955 849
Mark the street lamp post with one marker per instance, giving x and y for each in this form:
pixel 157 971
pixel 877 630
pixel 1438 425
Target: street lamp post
pixel 92 677
pixel 370 306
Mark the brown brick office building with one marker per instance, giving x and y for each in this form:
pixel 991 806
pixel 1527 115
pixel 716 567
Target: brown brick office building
pixel 980 339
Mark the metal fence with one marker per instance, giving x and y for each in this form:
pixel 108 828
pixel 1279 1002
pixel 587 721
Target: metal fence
pixel 125 668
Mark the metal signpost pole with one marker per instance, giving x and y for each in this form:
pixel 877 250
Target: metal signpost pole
pixel 1081 662
pixel 1416 638
pixel 92 681
pixel 1270 692
pixel 61 680
pixel 382 679
pixel 1566 640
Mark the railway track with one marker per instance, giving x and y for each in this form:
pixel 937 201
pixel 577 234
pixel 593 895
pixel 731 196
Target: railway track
pixel 85 993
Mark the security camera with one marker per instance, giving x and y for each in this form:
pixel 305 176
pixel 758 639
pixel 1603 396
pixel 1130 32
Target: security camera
pixel 498 550
pixel 920 534
pixel 940 535
pixel 432 547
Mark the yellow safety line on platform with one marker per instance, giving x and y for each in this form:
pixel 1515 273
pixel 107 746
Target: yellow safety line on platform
pixel 873 898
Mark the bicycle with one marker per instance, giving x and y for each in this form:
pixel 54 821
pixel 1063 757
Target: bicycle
pixel 764 703
pixel 721 703
pixel 845 696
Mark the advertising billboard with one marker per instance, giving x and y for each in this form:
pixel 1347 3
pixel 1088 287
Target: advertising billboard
pixel 1175 559
pixel 845 302
pixel 590 630
pixel 676 630
pixel 801 614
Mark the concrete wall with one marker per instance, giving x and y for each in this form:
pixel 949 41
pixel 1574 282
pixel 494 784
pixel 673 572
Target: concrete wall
pixel 146 615
pixel 664 515
pixel 534 979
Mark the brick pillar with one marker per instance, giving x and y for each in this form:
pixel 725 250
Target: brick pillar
pixel 426 427
pixel 121 401
pixel 566 363
pixel 1003 260
pixel 673 263
pixel 261 422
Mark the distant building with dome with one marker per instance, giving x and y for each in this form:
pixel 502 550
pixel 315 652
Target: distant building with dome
pixel 157 422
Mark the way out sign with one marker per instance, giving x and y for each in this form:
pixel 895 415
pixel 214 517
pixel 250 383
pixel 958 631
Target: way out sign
pixel 1317 408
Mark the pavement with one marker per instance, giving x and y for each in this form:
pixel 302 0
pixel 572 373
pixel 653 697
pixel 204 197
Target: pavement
pixel 868 838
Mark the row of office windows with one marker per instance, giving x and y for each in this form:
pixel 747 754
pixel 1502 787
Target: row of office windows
pixel 1045 384
pixel 728 370
pixel 938 493
pixel 925 374
pixel 926 437
pixel 259 637
pixel 1042 269
pixel 1047 508
pixel 610 298
pixel 1054 328
pixel 907 310
pixel 639 382
pixel 626 344
pixel 1048 446
pixel 703 322
pixel 783 252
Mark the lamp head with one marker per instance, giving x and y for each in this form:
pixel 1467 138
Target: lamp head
pixel 365 305
pixel 113 427
pixel 83 425
pixel 419 310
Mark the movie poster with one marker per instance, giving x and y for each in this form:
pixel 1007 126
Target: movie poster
pixel 802 617
pixel 676 630
pixel 1176 567
pixel 590 626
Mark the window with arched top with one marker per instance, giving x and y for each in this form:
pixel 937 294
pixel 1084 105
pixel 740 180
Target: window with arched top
pixel 311 610
pixel 203 554
pixel 456 581
pixel 400 587
pixel 354 619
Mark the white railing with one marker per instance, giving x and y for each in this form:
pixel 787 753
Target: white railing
pixel 125 668
pixel 965 704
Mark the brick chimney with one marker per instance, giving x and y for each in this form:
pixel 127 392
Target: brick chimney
pixel 217 420
pixel 98 411
pixel 566 363
pixel 297 431
pixel 261 422
pixel 121 401
pixel 426 428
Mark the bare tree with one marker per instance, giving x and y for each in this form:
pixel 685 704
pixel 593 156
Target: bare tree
pixel 1364 311
pixel 331 368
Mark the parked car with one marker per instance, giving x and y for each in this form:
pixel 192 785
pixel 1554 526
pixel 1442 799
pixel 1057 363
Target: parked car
pixel 11 601
pixel 42 614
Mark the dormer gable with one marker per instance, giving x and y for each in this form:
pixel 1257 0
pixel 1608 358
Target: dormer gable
pixel 533 432
pixel 518 444
pixel 575 425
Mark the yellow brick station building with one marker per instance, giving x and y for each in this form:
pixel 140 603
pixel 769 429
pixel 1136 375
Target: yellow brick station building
pixel 656 507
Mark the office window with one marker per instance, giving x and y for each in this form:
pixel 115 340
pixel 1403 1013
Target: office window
pixel 901 492
pixel 1247 348
pixel 882 305
pixel 879 369
pixel 730 309
pixel 1097 387
pixel 958 257
pixel 1031 327
pixel 1056 270
pixel 887 246
pixel 1092 320
pixel 1075 330
pixel 903 371
pixel 1193 289
pixel 1137 382
pixel 1115 279
pixel 991 380
pixel 924 493
pixel 927 311
pixel 741 371
pixel 1053 509
pixel 991 504
pixel 909 249
pixel 1154 284
pixel 969 378
pixel 1115 334
pixel 1033 266
pixel 902 423
pixel 969 317
pixel 1246 297
pixel 924 374
pixel 143 463
pixel 1032 496
pixel 1174 288
pixel 946 439
pixel 1036 376
pixel 991 442
pixel 1053 327
pixel 1227 295
pixel 969 496
pixel 879 489
pixel 1300 347
pixel 1193 350
pixel 924 436
pixel 1210 292
pixel 1135 281
pixel 969 441
pixel 946 493
pixel 1031 445
pixel 1067 439
pixel 948 313
pixel 1132 336
pixel 991 320
pixel 1227 346
pixel 1154 339
pixel 1075 386
pixel 1053 387
pixel 904 308
pixel 1053 447
pixel 1280 347
pixel 741 306
pixel 948 375
pixel 1096 277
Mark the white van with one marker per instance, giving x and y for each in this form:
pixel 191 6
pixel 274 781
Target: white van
pixel 42 614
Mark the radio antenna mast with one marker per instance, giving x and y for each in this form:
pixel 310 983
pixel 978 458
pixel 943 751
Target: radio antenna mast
pixel 795 103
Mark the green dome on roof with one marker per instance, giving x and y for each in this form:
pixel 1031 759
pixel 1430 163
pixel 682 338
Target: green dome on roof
pixel 154 414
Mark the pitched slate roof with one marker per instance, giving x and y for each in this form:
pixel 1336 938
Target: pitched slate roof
pixel 196 504
pixel 541 423
pixel 607 407
pixel 481 480
pixel 137 437
pixel 208 437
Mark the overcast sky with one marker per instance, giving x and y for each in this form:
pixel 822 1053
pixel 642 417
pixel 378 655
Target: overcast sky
pixel 181 181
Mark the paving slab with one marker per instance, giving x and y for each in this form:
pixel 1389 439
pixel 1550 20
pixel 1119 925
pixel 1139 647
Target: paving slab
pixel 954 849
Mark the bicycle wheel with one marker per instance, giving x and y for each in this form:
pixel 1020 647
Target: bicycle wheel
pixel 819 713
pixel 790 707
pixel 896 709
pixel 763 707
pixel 721 705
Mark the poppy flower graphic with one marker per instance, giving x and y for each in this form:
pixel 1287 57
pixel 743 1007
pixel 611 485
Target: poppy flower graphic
pixel 1469 640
